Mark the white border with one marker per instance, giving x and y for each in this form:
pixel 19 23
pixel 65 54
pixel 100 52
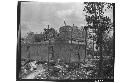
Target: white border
pixel 8 35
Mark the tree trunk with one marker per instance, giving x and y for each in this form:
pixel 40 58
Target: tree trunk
pixel 78 53
pixel 93 46
pixel 100 48
pixel 85 44
pixel 101 59
pixel 28 53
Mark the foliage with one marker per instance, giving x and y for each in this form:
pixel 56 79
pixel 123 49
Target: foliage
pixel 100 24
pixel 49 34
pixel 98 30
pixel 71 33
pixel 64 32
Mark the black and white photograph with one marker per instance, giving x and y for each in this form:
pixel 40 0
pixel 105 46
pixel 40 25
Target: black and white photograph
pixel 65 41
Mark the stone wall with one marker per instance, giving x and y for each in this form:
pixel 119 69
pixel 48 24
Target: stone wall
pixel 61 51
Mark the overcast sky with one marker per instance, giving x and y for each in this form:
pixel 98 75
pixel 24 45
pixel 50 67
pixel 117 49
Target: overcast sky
pixel 35 16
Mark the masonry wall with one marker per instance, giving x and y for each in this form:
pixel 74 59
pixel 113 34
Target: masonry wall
pixel 62 51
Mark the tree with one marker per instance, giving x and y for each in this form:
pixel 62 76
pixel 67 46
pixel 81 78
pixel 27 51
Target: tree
pixel 64 33
pixel 30 37
pixel 49 33
pixel 99 23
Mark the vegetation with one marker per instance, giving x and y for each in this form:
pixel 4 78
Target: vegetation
pixel 98 40
pixel 99 24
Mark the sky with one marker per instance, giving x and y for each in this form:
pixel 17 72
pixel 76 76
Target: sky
pixel 35 16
